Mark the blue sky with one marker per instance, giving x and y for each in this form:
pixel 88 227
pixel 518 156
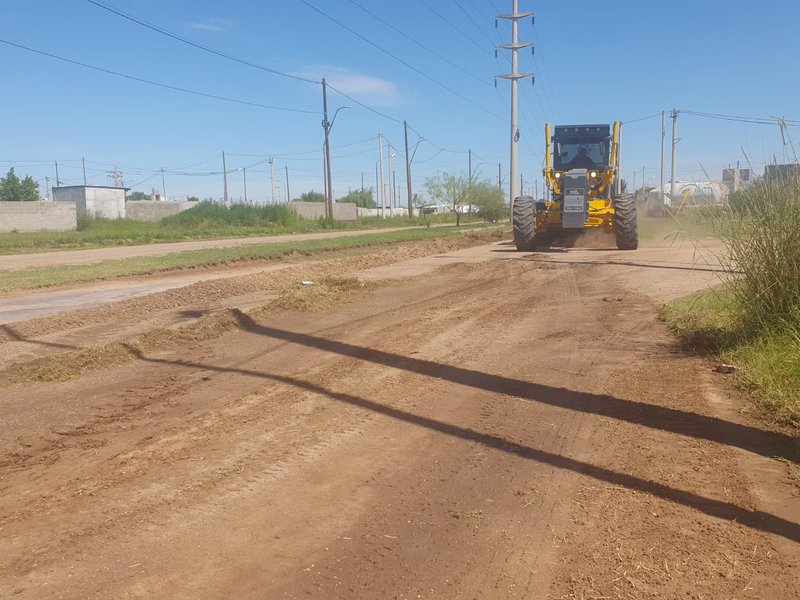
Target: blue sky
pixel 623 60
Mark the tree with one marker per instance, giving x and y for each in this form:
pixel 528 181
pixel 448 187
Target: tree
pixel 452 191
pixel 425 209
pixel 489 200
pixel 311 196
pixel 361 198
pixel 14 190
pixel 137 196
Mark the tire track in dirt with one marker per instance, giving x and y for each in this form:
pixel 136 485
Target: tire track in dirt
pixel 280 466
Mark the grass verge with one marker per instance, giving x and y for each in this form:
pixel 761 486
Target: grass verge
pixel 203 222
pixel 768 360
pixel 38 277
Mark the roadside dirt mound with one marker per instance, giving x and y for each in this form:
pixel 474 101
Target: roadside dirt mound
pixel 220 289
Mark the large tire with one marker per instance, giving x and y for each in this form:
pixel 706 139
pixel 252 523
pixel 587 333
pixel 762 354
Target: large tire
pixel 522 218
pixel 626 226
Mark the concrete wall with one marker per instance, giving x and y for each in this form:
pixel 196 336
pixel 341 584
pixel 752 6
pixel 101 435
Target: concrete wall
pixel 99 201
pixel 376 212
pixel 342 211
pixel 105 202
pixel 146 210
pixel 38 216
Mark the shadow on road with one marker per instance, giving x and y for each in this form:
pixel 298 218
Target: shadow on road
pixel 656 417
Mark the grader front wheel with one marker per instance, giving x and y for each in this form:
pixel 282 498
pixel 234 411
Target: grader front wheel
pixel 625 223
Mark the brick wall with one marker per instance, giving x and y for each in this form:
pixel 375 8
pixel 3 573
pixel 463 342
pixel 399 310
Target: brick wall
pixel 37 216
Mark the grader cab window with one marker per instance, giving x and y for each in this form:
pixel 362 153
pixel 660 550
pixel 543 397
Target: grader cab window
pixel 581 155
pixel 581 147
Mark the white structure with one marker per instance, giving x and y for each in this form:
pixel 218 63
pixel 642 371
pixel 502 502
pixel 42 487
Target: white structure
pixel 97 200
pixel 692 193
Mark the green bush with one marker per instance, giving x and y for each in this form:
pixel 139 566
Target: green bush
pixel 209 215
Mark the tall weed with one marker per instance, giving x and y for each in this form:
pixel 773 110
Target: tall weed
pixel 761 231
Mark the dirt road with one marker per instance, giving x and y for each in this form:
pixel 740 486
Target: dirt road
pixel 479 424
pixel 15 262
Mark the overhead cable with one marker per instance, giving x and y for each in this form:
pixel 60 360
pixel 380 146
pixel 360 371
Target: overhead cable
pixel 156 83
pixel 400 60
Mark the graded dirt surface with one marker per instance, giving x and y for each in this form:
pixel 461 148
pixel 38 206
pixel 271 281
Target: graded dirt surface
pixel 468 424
pixel 88 256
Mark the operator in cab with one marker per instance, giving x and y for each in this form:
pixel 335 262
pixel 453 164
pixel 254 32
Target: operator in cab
pixel 582 159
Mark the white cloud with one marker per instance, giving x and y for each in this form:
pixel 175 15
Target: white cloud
pixel 368 89
pixel 212 24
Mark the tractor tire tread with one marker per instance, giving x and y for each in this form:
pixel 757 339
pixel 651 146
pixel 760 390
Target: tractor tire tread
pixel 626 223
pixel 523 217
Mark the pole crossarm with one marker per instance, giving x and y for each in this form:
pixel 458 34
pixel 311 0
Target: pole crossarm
pixel 517 46
pixel 514 76
pixel 515 15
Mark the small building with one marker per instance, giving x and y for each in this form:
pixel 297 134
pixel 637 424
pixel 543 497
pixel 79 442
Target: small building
pixel 97 200
pixel 736 179
pixel 781 173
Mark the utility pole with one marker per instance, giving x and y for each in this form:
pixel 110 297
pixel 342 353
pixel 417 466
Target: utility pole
pixel 383 189
pixel 272 177
pixel 500 176
pixel 408 175
pixel 644 183
pixel 58 181
pixel 619 161
pixel 225 179
pixel 84 170
pixel 327 126
pixel 674 150
pixel 377 193
pixel 521 185
pixel 163 185
pixel 47 187
pixel 244 177
pixel 514 76
pixel 394 191
pixel 389 174
pixel 288 195
pixel 536 189
pixel 663 153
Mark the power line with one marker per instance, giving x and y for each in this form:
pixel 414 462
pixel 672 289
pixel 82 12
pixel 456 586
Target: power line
pixel 420 44
pixel 452 26
pixel 658 114
pixel 753 120
pixel 155 83
pixel 398 59
pixel 478 27
pixel 184 40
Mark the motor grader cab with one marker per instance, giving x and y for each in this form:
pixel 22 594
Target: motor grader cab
pixel 581 172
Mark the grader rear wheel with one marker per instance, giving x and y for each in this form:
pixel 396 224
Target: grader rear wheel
pixel 522 219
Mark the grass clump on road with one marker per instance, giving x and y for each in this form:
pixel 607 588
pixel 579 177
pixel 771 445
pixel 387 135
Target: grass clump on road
pixel 753 320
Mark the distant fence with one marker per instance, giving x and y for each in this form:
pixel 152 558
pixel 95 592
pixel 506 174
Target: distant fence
pixel 38 216
pixel 147 210
pixel 388 212
pixel 342 211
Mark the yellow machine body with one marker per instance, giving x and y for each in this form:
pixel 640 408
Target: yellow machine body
pixel 600 183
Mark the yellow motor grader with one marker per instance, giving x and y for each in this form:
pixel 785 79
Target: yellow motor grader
pixel 581 173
